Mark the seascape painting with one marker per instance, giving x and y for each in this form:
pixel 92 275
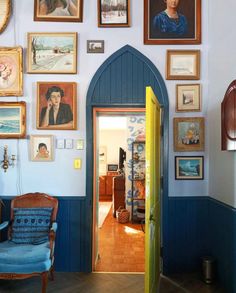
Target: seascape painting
pixel 10 120
pixel 189 167
pixel 52 53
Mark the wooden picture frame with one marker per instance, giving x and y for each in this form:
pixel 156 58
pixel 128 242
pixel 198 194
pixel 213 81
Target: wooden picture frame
pixel 95 46
pixel 110 15
pixel 160 27
pixel 11 71
pixel 188 98
pixel 72 12
pixel 183 64
pixel 41 148
pixel 189 167
pixel 189 134
pixel 52 53
pixel 5 13
pixel 57 97
pixel 12 119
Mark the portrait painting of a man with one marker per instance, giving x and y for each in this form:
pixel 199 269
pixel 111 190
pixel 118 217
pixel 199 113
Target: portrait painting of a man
pixel 172 22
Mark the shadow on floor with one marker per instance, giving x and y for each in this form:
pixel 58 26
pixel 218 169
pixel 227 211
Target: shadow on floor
pixel 108 283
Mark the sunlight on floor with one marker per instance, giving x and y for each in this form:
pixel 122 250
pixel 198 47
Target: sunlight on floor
pixel 129 230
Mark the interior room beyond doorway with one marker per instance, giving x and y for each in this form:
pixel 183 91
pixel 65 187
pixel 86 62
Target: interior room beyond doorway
pixel 120 245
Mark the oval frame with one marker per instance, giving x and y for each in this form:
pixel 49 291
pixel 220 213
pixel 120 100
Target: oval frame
pixel 5 17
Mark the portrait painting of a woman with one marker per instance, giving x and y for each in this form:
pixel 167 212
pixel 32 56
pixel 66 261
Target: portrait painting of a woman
pixel 56 105
pixel 172 22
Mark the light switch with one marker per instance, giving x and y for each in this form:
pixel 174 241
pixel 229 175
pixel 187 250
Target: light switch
pixel 77 163
pixel 69 143
pixel 80 144
pixel 60 143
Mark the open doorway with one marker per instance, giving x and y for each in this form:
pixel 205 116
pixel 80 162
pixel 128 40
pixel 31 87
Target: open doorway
pixel 119 196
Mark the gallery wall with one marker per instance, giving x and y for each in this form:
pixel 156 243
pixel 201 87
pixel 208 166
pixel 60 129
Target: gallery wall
pixel 59 177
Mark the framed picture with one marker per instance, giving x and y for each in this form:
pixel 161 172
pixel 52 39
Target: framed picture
pixel 114 13
pixel 183 64
pixel 41 148
pixel 172 23
pixel 188 98
pixel 12 119
pixel 189 168
pixel 64 10
pixel 52 53
pixel 188 134
pixel 56 105
pixel 95 46
pixel 11 71
pixel 5 13
pixel 112 167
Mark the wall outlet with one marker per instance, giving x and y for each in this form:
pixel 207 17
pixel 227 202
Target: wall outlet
pixel 60 143
pixel 69 143
pixel 80 144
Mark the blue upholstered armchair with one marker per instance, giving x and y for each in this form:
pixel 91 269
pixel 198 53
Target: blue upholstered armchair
pixel 29 250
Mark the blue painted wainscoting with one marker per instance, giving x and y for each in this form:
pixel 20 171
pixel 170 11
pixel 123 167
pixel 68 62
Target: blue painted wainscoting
pixel 222 237
pixel 198 226
pixel 72 241
pixel 187 234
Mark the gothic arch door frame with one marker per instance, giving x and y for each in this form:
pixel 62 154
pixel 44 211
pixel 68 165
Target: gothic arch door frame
pixel 121 82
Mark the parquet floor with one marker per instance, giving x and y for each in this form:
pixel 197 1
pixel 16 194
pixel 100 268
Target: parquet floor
pixel 121 247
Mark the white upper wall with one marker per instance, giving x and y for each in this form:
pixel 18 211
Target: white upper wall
pixel 222 71
pixel 59 177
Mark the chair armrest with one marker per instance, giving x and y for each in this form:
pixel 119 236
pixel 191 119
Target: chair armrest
pixel 4 225
pixel 54 227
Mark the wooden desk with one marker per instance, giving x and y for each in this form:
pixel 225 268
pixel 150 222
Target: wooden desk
pixel 106 186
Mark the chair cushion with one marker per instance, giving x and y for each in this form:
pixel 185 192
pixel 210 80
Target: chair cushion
pixel 24 258
pixel 31 225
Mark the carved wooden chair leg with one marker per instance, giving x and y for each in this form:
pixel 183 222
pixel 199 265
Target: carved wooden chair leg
pixel 52 273
pixel 44 277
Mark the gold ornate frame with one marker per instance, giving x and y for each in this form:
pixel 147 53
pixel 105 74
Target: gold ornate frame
pixel 54 53
pixel 21 118
pixel 12 54
pixel 5 13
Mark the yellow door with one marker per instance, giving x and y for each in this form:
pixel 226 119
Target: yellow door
pixel 152 214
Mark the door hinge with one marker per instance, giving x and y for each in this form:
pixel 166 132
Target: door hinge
pixel 162 129
pixel 162 181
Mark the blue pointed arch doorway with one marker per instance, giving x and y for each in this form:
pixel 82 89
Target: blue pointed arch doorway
pixel 121 82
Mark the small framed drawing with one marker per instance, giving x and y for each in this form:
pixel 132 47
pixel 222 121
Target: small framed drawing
pixel 167 23
pixel 183 64
pixel 41 148
pixel 189 168
pixel 5 13
pixel 113 13
pixel 12 119
pixel 63 11
pixel 95 46
pixel 56 105
pixel 189 134
pixel 188 98
pixel 52 53
pixel 11 71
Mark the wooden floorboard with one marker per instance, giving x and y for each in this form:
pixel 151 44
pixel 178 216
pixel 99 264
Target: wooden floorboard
pixel 108 283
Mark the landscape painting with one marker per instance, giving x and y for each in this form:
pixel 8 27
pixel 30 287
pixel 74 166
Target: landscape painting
pixel 52 53
pixel 113 13
pixel 12 119
pixel 189 167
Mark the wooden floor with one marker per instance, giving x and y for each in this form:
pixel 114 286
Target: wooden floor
pixel 121 247
pixel 108 283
